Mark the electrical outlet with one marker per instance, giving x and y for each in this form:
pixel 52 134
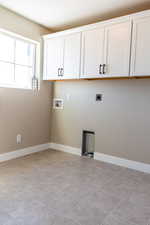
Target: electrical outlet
pixel 19 138
pixel 99 97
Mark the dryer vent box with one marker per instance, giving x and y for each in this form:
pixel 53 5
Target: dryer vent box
pixel 88 143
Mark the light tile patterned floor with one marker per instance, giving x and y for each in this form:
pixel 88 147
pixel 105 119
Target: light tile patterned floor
pixel 55 188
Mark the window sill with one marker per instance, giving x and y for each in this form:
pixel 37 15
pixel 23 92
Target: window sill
pixel 15 87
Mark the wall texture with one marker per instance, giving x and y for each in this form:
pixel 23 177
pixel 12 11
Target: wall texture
pixel 121 122
pixel 22 111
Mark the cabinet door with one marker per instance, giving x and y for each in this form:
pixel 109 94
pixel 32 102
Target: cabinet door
pixel 140 60
pixel 72 48
pixel 92 53
pixel 117 49
pixel 53 58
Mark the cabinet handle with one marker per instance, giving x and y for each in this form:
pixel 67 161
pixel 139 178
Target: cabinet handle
pixel 62 72
pixel 59 72
pixel 104 68
pixel 100 69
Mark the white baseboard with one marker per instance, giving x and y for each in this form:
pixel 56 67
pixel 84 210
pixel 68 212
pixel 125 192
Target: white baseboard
pixel 142 167
pixel 139 166
pixel 65 148
pixel 23 152
pixel 77 151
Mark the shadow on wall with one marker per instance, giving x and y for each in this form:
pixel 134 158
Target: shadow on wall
pixel 106 15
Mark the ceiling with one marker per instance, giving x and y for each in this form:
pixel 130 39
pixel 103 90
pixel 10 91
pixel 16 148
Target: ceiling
pixel 62 14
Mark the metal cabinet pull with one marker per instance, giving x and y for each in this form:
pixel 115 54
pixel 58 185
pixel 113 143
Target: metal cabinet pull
pixel 100 69
pixel 59 72
pixel 104 68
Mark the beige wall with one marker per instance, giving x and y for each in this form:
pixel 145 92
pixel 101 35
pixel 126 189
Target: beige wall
pixel 121 122
pixel 22 111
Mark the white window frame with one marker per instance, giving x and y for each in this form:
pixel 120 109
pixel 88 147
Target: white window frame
pixel 36 62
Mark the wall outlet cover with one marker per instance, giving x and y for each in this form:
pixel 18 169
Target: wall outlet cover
pixel 99 97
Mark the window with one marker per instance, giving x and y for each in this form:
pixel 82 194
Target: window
pixel 18 60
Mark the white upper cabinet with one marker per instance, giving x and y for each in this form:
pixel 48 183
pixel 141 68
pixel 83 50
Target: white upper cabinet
pixel 62 57
pixel 92 53
pixel 140 60
pixel 106 50
pixel 53 58
pixel 117 50
pixel 71 61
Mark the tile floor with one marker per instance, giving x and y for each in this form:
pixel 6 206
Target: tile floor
pixel 56 188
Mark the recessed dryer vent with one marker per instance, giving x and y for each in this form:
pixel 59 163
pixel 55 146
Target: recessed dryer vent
pixel 88 143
